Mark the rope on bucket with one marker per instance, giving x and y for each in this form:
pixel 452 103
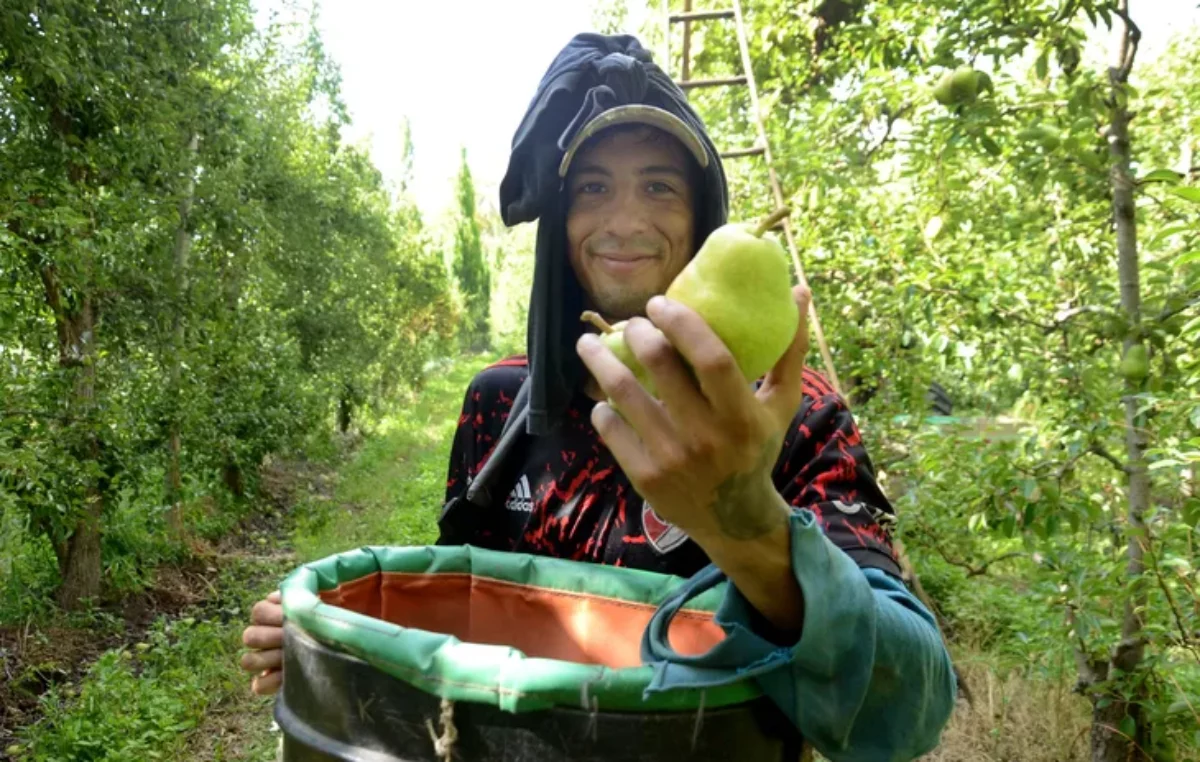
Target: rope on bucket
pixel 699 720
pixel 592 707
pixel 443 745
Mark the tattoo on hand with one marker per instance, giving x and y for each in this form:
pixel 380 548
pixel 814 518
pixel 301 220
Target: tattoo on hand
pixel 743 511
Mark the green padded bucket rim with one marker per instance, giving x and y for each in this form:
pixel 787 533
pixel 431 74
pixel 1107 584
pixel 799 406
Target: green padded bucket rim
pixel 444 666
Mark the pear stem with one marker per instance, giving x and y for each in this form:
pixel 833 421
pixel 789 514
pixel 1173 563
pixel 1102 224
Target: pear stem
pixel 771 220
pixel 594 318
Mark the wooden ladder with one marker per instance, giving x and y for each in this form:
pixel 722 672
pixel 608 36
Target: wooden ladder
pixel 760 147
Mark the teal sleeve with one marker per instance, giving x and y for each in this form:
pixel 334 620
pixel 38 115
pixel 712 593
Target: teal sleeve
pixel 870 677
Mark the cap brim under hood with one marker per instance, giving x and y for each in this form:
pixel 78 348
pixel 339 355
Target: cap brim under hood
pixel 591 75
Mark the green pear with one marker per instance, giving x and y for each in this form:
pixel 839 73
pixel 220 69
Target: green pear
pixel 961 86
pixel 613 337
pixel 942 91
pixel 964 83
pixel 740 284
pixel 1135 365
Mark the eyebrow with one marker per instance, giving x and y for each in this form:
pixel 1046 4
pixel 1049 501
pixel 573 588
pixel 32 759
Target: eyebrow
pixel 593 169
pixel 654 169
pixel 663 169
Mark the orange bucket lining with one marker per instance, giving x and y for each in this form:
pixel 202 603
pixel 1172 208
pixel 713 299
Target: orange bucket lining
pixel 538 621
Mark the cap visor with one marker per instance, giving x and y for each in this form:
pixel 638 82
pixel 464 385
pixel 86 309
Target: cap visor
pixel 637 114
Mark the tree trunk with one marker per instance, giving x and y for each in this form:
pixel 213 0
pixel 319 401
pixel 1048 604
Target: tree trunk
pixel 1108 742
pixel 231 475
pixel 80 566
pixel 79 554
pixel 183 245
pixel 344 412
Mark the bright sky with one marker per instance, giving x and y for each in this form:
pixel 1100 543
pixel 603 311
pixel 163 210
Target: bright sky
pixel 464 71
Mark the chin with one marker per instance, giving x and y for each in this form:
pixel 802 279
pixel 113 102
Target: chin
pixel 616 307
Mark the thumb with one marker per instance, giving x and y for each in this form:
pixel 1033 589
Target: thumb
pixel 782 389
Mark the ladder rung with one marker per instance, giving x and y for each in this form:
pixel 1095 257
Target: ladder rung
pixel 737 153
pixel 676 18
pixel 688 84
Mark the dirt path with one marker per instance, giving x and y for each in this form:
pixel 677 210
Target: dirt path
pixel 36 657
pixel 43 658
pixel 168 656
pixel 239 726
pixel 388 492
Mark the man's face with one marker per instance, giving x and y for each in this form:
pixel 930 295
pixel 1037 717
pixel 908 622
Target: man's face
pixel 629 218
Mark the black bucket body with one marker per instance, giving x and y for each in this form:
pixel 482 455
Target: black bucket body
pixel 335 706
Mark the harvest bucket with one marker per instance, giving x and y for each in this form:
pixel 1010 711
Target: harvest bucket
pixel 438 653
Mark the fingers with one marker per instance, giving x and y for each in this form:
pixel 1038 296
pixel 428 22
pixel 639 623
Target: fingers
pixel 782 389
pixel 716 369
pixel 257 636
pixel 267 684
pixel 674 382
pixel 268 612
pixel 260 661
pixel 266 635
pixel 643 412
pixel 626 446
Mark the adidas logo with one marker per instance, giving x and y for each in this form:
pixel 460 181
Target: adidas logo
pixel 520 499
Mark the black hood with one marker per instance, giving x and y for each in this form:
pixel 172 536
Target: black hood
pixel 591 75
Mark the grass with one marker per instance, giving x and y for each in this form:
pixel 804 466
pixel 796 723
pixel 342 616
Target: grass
pixel 138 701
pixel 178 692
pixel 390 493
pixel 1017 714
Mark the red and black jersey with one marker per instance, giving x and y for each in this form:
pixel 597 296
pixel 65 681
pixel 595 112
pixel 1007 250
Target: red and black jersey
pixel 569 498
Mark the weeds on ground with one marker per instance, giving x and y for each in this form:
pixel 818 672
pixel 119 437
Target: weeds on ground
pixel 391 491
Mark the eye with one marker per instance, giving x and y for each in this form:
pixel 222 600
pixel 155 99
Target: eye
pixel 658 187
pixel 590 187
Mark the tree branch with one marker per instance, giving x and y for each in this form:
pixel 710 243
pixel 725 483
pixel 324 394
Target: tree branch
pixel 1062 317
pixel 887 133
pixel 1092 449
pixel 972 571
pixel 1097 449
pixel 1129 48
pixel 1091 670
pixel 1167 314
pixel 1186 640
pixel 1016 108
pixel 1002 557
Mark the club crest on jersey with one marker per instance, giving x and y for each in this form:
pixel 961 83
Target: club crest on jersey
pixel 663 536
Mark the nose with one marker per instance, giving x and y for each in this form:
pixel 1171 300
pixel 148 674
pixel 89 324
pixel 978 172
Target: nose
pixel 627 215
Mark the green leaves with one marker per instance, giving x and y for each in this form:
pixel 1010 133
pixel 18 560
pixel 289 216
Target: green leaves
pixel 1160 176
pixel 307 286
pixel 470 266
pixel 980 239
pixel 1128 727
pixel 1186 193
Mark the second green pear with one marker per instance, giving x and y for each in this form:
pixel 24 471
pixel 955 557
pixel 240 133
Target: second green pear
pixel 615 341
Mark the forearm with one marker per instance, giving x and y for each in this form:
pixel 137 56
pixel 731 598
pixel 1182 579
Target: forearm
pixel 869 678
pixel 866 678
pixel 760 566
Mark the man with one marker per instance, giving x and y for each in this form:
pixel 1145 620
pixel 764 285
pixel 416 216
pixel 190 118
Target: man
pixel 769 482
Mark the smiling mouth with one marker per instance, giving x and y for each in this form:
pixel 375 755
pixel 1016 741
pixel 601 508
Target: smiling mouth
pixel 624 260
